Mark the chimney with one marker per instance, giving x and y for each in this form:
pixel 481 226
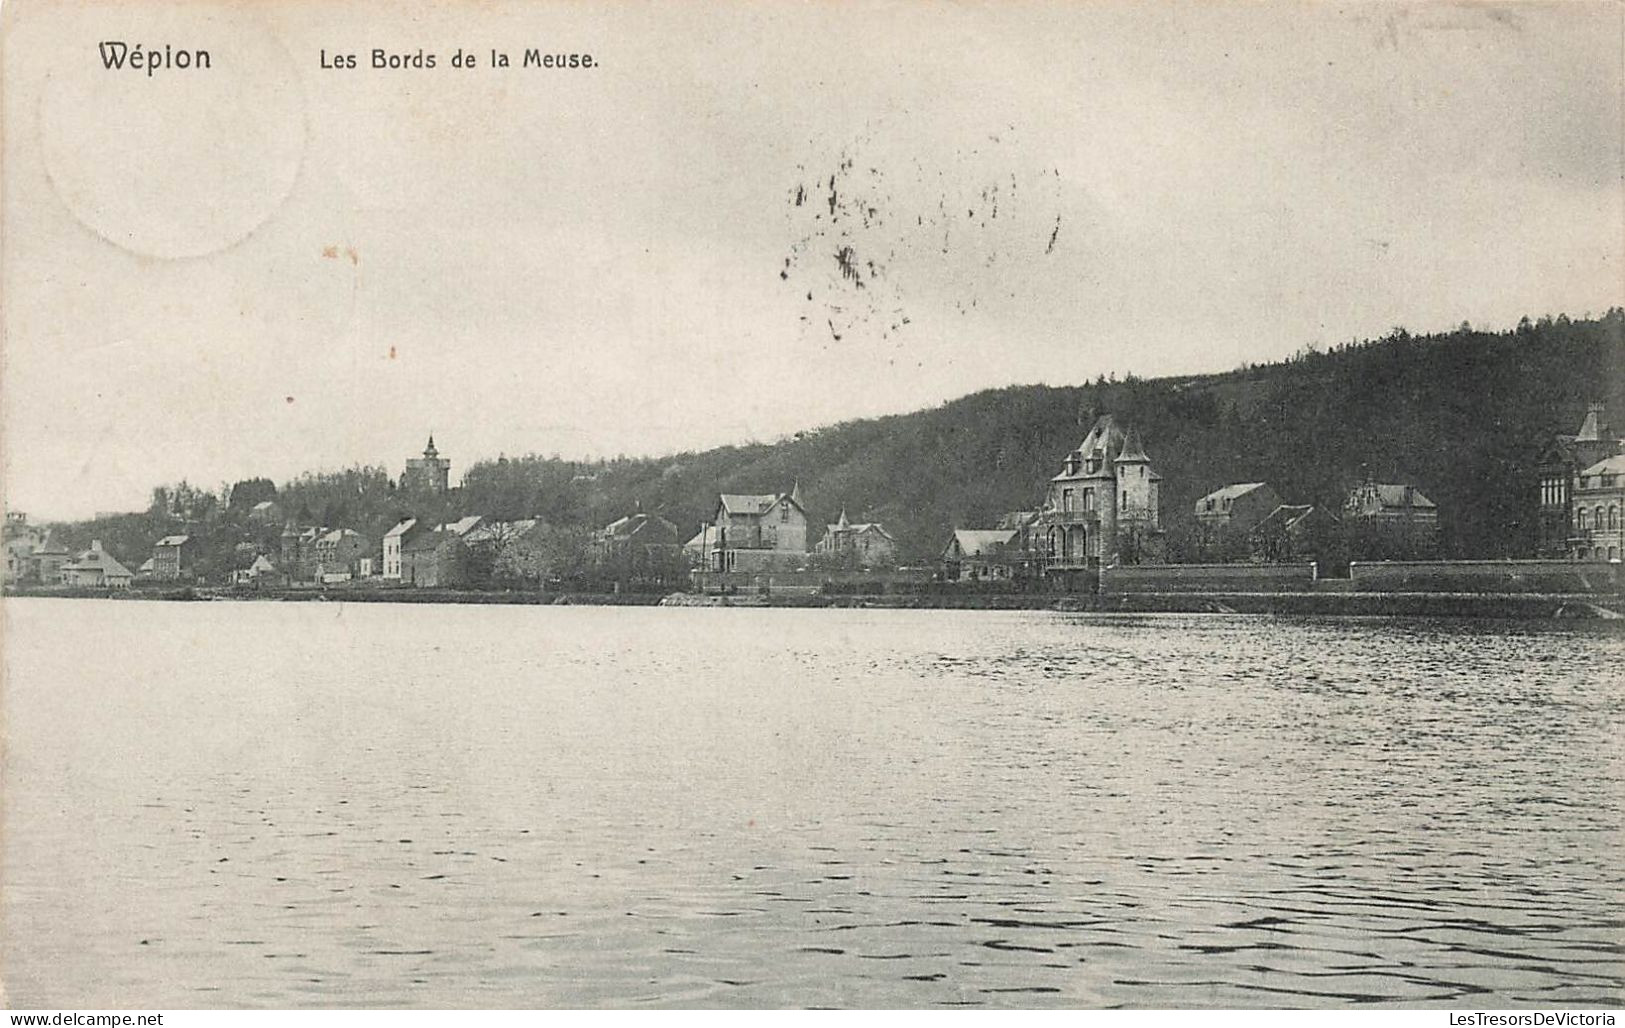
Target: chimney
pixel 96 546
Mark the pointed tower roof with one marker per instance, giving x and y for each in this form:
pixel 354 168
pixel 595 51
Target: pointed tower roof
pixel 430 451
pixel 1594 427
pixel 795 494
pixel 843 522
pixel 1133 452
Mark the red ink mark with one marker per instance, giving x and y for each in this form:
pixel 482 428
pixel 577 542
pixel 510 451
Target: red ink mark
pixel 355 258
pixel 391 353
pixel 330 252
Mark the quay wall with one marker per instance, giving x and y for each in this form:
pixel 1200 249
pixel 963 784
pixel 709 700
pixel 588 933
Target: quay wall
pixel 1486 576
pixel 1206 578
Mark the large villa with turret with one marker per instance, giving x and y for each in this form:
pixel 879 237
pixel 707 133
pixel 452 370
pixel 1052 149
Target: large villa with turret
pixel 1103 506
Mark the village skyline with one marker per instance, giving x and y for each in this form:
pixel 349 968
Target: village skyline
pixel 688 246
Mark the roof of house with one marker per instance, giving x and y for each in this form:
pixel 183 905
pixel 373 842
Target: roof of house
pixel 337 535
pixel 1285 516
pixel 505 531
pixel 262 563
pixel 1593 428
pixel 1132 452
pixel 263 505
pixel 1018 518
pixel 1614 465
pixel 94 560
pixel 698 542
pixel 1230 492
pixel 632 524
pixel 462 526
pixel 1391 495
pixel 859 527
pixel 401 528
pixel 174 540
pixel 975 542
pixel 1106 439
pixel 751 503
pixel 50 547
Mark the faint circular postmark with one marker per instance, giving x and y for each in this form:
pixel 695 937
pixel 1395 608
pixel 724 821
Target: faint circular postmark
pixel 175 161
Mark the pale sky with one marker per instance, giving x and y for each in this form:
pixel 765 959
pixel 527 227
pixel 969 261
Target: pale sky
pixel 268 267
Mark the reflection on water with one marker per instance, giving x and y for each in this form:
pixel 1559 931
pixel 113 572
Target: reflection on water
pixel 331 805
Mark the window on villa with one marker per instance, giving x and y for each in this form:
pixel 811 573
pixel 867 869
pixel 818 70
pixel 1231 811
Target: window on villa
pixel 784 512
pixel 1088 499
pixel 1580 519
pixel 1066 499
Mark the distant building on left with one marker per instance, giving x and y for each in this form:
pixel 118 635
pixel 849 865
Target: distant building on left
pixel 21 540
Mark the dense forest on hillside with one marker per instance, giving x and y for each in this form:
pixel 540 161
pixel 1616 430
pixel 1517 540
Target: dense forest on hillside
pixel 1461 415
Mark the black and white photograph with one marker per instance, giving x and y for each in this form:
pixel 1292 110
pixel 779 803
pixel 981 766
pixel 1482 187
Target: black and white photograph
pixel 905 505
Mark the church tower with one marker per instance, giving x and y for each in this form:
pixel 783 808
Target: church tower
pixel 430 473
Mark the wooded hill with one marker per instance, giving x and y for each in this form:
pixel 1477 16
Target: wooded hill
pixel 1462 416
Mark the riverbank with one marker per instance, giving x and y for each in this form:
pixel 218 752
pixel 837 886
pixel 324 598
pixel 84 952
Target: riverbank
pixel 1518 606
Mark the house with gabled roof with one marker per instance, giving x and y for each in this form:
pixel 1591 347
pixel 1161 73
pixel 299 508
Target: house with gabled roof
pixel 1559 467
pixel 95 568
pixel 1388 520
pixel 1104 506
pixel 1293 532
pixel 437 559
pixel 635 530
pixel 982 555
pixel 1598 531
pixel 341 554
pixel 173 557
pixel 393 541
pixel 1226 516
pixel 755 532
pixel 48 560
pixel 863 543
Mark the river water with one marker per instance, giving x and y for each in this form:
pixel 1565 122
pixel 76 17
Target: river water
pixel 269 804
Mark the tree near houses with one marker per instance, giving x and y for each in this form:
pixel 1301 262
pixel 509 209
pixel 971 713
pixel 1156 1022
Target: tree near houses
pixel 548 556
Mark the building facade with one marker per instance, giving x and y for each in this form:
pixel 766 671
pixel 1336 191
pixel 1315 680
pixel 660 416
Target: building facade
pixel 1559 468
pixel 1387 521
pixel 982 555
pixel 394 539
pixel 862 544
pixel 21 542
pixel 429 474
pixel 1598 531
pixel 756 532
pixel 1105 505
pixel 298 553
pixel 339 555
pixel 1294 532
pixel 1226 517
pixel 434 560
pixel 173 557
pixel 95 568
pixel 50 557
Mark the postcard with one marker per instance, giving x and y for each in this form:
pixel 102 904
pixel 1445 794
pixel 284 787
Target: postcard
pixel 891 505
